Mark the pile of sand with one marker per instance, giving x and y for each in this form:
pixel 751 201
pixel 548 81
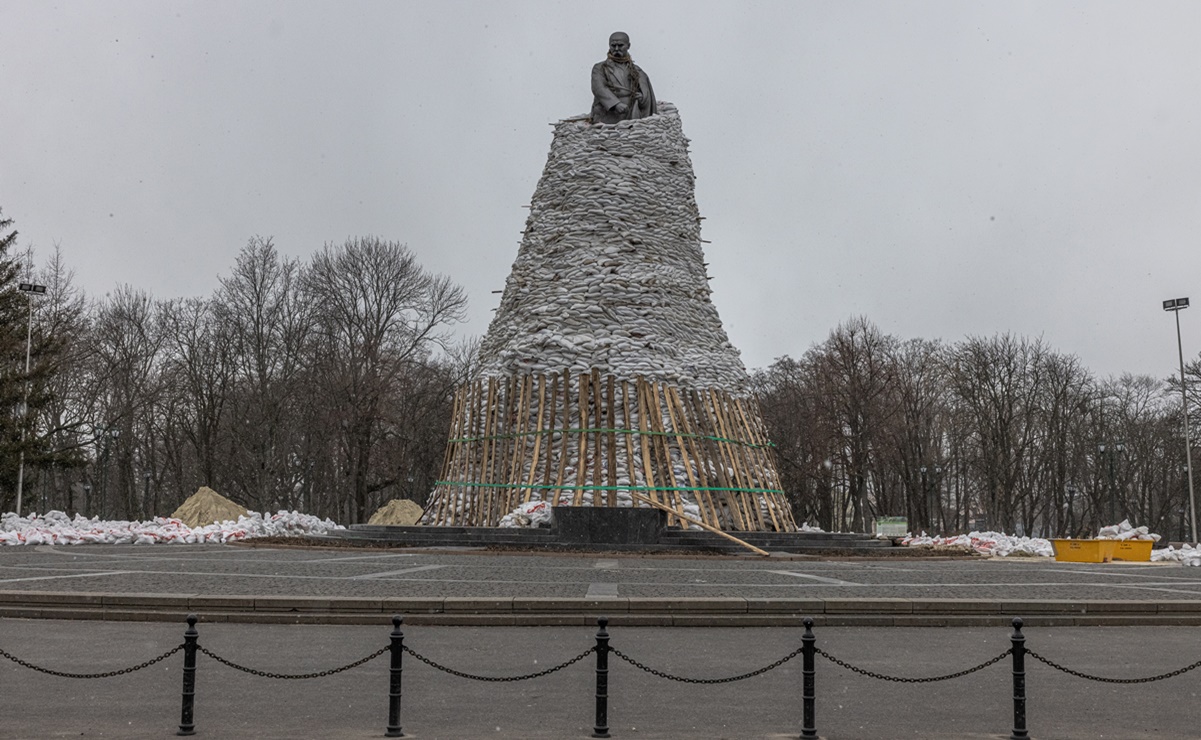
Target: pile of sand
pixel 205 507
pixel 399 512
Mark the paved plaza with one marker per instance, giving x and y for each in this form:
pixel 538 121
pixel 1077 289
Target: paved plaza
pixel 480 587
pixel 230 704
pixel 213 570
pixel 484 591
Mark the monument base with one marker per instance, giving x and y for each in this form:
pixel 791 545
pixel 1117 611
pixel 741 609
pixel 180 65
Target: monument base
pixel 608 525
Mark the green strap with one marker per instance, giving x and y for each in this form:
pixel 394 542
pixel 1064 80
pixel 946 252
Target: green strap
pixel 603 488
pixel 614 431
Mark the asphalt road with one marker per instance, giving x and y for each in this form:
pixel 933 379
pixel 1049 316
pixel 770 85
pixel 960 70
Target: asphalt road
pixel 237 570
pixel 353 704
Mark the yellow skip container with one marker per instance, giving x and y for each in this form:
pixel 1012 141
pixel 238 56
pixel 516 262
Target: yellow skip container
pixel 1133 550
pixel 1088 551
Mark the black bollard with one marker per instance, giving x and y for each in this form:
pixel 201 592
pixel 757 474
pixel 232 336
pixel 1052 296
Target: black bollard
pixel 186 724
pixel 808 676
pixel 394 675
pixel 1019 682
pixel 601 729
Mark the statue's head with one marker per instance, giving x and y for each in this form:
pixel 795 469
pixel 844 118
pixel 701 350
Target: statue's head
pixel 619 44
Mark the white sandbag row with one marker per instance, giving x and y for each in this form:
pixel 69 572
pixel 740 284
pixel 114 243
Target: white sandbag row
pixel 987 543
pixel 1186 555
pixel 610 273
pixel 56 528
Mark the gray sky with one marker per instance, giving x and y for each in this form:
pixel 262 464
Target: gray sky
pixel 944 168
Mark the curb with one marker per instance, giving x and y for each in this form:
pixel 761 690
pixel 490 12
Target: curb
pixel 544 611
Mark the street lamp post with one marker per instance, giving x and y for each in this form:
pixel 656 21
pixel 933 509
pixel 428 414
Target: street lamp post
pixel 1107 452
pixel 1174 305
pixel 32 290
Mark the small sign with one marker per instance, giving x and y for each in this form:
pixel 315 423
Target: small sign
pixel 892 526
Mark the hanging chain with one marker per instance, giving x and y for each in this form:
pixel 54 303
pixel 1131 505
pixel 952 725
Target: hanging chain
pixel 1103 679
pixel 498 679
pixel 107 674
pixel 318 674
pixel 684 679
pixel 907 679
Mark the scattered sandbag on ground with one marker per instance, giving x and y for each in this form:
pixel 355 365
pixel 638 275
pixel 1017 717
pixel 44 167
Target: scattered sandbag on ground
pixel 205 507
pixel 399 512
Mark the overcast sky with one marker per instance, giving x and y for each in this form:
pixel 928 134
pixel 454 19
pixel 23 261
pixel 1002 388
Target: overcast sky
pixel 943 168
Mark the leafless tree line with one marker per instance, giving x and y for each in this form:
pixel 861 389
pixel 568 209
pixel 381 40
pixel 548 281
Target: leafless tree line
pixel 1000 433
pixel 326 386
pixel 322 386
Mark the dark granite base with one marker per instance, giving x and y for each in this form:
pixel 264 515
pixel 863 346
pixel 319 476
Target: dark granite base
pixel 578 525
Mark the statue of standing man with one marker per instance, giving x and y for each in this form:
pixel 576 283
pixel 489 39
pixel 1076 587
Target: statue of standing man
pixel 621 90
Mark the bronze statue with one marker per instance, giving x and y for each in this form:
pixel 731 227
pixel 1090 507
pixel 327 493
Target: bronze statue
pixel 621 90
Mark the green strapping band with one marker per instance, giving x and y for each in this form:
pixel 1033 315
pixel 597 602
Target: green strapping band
pixel 602 488
pixel 647 432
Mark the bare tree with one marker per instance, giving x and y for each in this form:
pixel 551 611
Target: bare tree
pixel 378 315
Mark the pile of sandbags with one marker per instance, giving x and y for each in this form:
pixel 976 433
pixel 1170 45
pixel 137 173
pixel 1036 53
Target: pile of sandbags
pixel 988 543
pixel 1186 555
pixel 1126 531
pixel 610 274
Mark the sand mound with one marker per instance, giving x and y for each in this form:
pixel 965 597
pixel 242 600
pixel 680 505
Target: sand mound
pixel 205 507
pixel 399 512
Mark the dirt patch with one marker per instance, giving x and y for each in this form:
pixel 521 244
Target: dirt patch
pixel 399 512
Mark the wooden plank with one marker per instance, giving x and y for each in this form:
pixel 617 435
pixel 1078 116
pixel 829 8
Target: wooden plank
pixel 629 427
pixel 681 443
pixel 763 465
pixel 660 443
pixel 581 464
pixel 648 468
pixel 521 443
pixel 711 473
pixel 483 494
pixel 699 523
pixel 597 453
pixel 454 453
pixel 611 423
pixel 548 476
pixel 541 432
pixel 566 425
pixel 738 455
pixel 469 450
pixel 721 458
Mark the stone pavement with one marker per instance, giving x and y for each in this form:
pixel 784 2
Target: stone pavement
pixel 353 704
pixel 475 587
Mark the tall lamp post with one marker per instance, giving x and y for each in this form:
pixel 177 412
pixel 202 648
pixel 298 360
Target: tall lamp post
pixel 32 290
pixel 1174 305
pixel 1106 452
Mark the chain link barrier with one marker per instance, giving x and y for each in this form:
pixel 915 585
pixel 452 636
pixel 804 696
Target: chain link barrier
pixel 266 674
pixel 908 679
pixel 685 679
pixel 498 679
pixel 1103 679
pixel 106 674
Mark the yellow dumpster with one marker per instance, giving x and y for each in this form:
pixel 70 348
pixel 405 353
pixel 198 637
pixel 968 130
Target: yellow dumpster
pixel 1085 551
pixel 1135 550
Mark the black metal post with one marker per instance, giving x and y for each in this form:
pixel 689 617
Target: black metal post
pixel 1019 682
pixel 186 724
pixel 809 674
pixel 601 729
pixel 394 676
